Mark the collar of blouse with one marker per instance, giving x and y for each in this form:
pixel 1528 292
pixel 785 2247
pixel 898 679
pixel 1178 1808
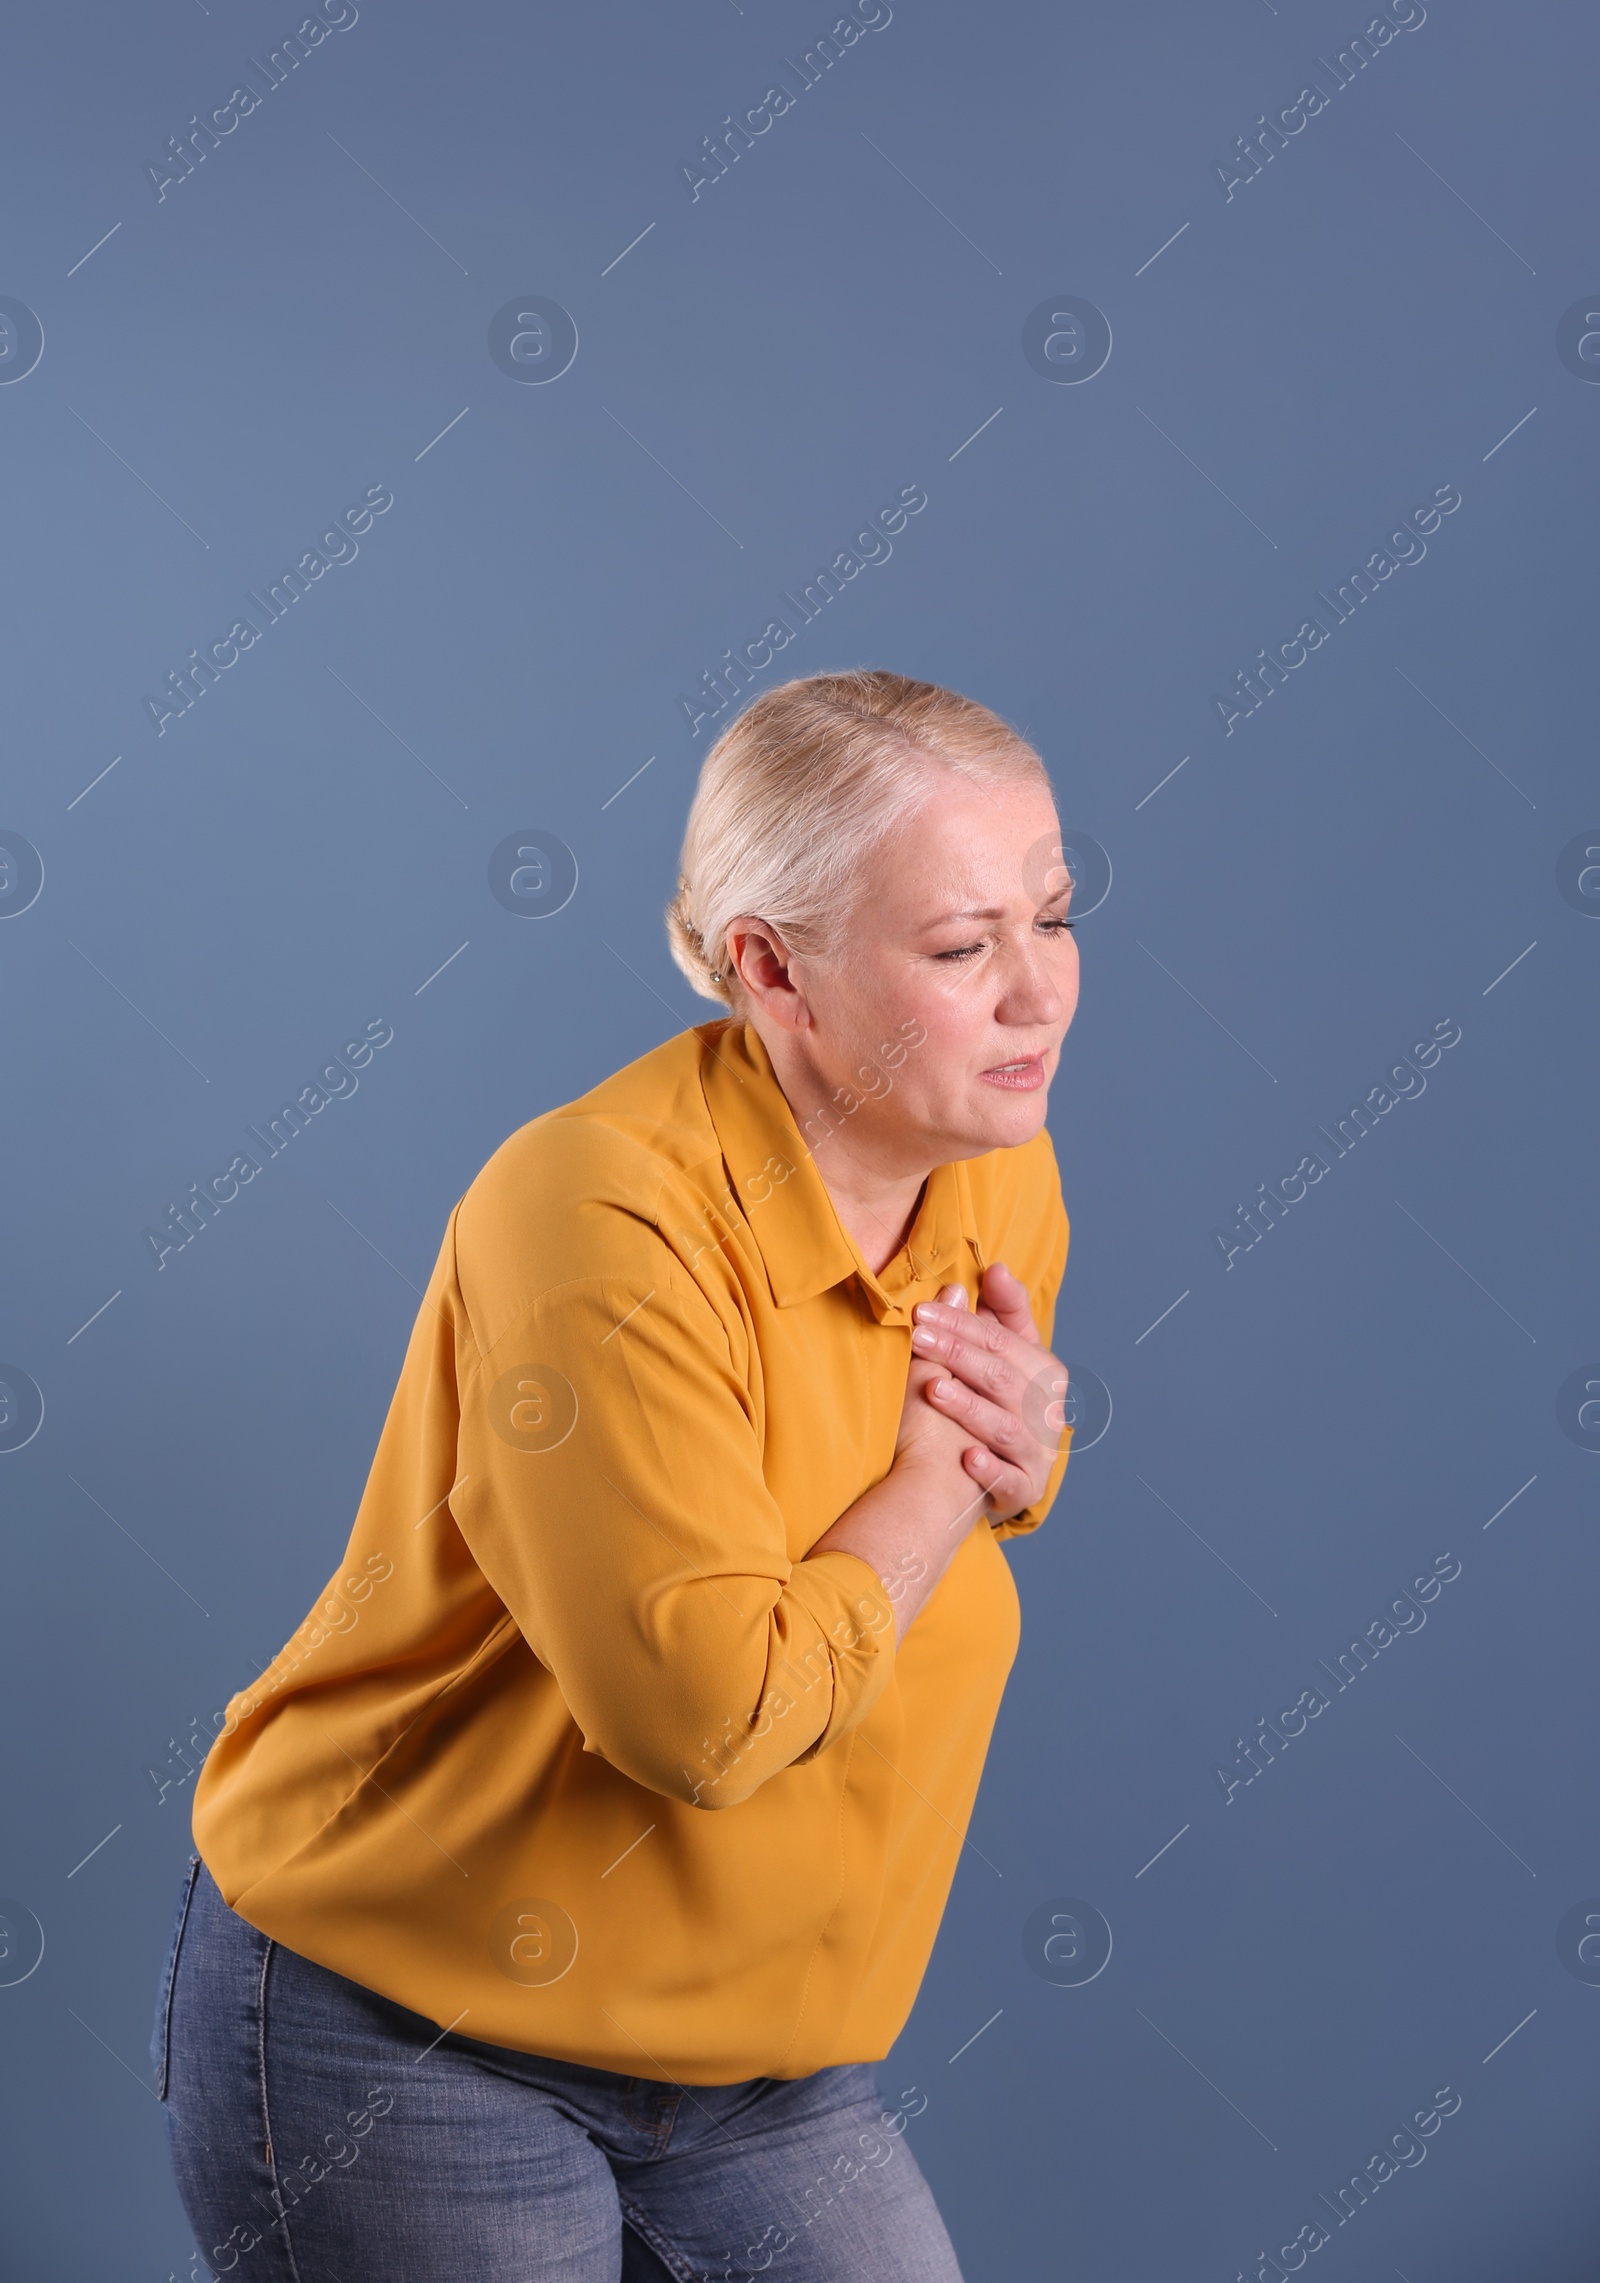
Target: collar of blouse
pixel 803 1244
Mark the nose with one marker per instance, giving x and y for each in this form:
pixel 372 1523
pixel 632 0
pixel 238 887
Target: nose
pixel 1032 990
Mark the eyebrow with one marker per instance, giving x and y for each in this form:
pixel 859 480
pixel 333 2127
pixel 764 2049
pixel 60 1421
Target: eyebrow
pixel 994 911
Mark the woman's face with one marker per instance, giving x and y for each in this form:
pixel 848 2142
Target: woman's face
pixel 941 1017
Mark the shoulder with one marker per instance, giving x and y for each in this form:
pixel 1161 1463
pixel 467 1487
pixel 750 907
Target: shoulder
pixel 578 1191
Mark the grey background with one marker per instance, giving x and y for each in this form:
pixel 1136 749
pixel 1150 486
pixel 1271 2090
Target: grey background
pixel 1303 1432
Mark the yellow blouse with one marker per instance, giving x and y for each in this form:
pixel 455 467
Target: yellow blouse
pixel 578 1610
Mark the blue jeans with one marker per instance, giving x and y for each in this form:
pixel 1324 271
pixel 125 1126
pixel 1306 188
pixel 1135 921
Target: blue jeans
pixel 322 2134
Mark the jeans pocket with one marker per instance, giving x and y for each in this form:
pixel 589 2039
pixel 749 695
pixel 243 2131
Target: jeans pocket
pixel 161 2033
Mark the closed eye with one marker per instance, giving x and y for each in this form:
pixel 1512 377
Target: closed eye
pixel 967 951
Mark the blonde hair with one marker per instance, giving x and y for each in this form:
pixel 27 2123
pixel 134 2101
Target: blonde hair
pixel 800 790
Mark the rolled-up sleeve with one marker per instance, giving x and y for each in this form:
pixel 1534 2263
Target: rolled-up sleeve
pixel 610 1488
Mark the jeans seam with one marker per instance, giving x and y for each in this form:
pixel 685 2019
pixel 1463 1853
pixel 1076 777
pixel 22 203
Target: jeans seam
pixel 667 2123
pixel 266 2110
pixel 172 1978
pixel 667 2253
pixel 658 2129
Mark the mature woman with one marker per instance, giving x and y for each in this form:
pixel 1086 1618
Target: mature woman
pixel 563 1878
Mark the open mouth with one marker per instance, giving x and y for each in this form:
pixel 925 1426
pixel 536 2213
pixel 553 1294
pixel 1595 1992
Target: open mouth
pixel 1023 1077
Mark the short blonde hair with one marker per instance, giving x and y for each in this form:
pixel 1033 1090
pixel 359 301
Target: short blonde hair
pixel 798 792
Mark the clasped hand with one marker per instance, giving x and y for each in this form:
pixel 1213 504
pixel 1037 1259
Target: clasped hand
pixel 999 1383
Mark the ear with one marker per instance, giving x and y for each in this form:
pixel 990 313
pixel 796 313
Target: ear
pixel 762 963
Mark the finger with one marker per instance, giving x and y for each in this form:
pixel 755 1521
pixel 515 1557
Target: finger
pixel 1007 1488
pixel 1007 1296
pixel 1035 1394
pixel 974 1508
pixel 1004 1432
pixel 981 1350
pixel 1003 1293
pixel 952 1320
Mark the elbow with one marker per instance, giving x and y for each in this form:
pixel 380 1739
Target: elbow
pixel 731 1768
pixel 672 1731
pixel 695 1767
pixel 722 1791
pixel 700 1781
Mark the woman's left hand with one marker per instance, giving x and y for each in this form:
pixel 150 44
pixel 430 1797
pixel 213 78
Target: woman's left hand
pixel 1005 1387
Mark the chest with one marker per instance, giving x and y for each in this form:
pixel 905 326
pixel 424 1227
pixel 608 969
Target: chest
pixel 830 1387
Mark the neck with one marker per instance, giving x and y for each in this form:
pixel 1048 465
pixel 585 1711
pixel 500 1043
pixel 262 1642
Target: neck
pixel 879 1229
pixel 875 1191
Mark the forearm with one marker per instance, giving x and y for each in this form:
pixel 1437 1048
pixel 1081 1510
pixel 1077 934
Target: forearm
pixel 908 1528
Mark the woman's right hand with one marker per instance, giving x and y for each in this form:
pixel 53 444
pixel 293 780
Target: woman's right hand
pixel 910 1526
pixel 929 1439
